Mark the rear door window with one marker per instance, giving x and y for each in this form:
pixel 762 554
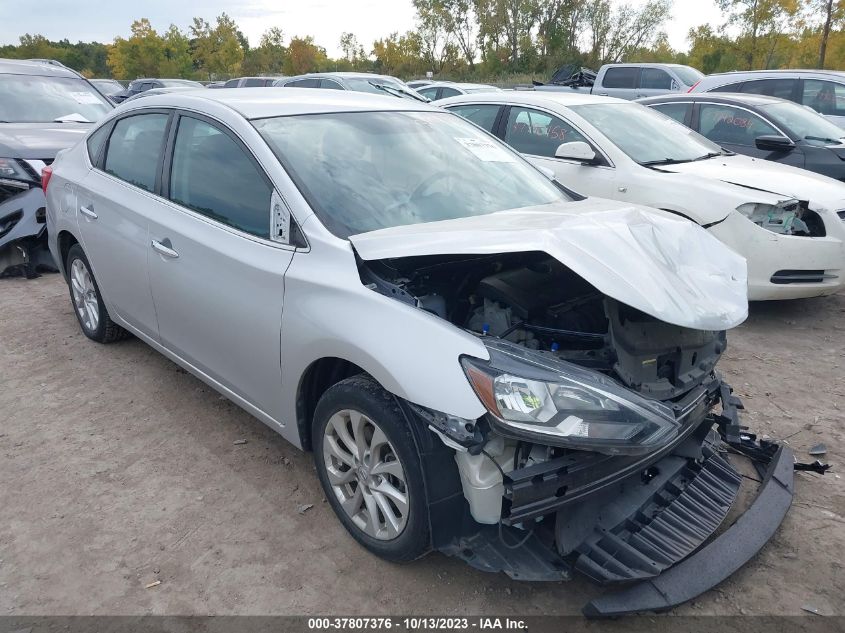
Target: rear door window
pixel 482 115
pixel 732 126
pixel 621 77
pixel 134 149
pixel 781 88
pixel 254 82
pixel 677 111
pixel 449 92
pixel 232 83
pixel 655 79
pixel 537 133
pixel 213 175
pixel 330 84
pixel 825 97
pixel 303 83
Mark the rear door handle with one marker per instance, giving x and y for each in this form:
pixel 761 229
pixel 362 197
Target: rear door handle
pixel 164 247
pixel 88 212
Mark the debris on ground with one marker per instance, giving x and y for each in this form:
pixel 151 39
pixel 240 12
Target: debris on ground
pixel 154 583
pixel 815 467
pixel 303 508
pixel 818 449
pixel 239 442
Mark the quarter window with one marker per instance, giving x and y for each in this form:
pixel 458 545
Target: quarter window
pixel 825 97
pixel 733 126
pixel 537 133
pixel 482 115
pixel 214 176
pixel 134 149
pixel 621 77
pixel 95 143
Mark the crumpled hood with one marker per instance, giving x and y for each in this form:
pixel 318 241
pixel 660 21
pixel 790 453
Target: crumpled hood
pixel 661 264
pixel 782 180
pixel 39 140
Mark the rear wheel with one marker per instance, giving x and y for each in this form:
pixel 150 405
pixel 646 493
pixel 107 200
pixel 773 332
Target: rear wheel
pixel 370 470
pixel 87 301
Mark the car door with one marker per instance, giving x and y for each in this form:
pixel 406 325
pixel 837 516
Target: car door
pixel 736 129
pixel 113 199
pixel 654 82
pixel 217 277
pixel 826 98
pixel 537 134
pixel 620 82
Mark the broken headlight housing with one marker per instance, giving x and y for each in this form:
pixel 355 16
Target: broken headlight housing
pixel 534 397
pixel 785 218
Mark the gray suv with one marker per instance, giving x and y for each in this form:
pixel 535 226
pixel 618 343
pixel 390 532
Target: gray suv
pixel 821 90
pixel 44 108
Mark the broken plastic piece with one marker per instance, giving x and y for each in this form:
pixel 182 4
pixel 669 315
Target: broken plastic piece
pixel 818 449
pixel 815 467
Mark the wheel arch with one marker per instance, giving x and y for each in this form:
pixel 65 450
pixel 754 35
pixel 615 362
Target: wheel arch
pixel 65 241
pixel 317 378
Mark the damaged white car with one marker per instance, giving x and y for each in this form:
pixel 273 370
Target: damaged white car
pixel 483 363
pixel 788 223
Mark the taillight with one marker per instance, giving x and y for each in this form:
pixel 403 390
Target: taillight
pixel 46 174
pixel 693 86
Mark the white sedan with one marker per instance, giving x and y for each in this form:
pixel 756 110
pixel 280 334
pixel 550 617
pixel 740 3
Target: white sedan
pixel 787 222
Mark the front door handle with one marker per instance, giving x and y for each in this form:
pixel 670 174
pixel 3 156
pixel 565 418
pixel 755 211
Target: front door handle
pixel 164 247
pixel 88 212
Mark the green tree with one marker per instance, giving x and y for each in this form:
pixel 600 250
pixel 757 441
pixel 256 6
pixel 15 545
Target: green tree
pixel 217 51
pixel 141 55
pixel 304 56
pixel 269 56
pixel 762 26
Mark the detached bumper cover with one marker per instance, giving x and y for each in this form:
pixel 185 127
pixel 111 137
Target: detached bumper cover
pixel 717 560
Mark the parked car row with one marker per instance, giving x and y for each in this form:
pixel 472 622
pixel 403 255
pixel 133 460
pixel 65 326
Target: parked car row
pixel 495 323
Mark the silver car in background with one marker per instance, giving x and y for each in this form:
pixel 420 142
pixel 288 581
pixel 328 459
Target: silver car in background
pixel 355 82
pixel 480 359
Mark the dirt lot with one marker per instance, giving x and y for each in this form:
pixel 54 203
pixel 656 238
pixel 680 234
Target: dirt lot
pixel 119 469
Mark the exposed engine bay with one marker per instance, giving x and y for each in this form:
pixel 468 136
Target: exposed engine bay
pixel 550 481
pixel 535 301
pixel 790 217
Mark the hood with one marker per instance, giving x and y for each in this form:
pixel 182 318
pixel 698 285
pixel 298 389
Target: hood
pixel 656 262
pixel 782 180
pixel 39 140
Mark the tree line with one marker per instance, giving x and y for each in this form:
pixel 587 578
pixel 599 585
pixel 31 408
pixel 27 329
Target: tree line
pixel 475 40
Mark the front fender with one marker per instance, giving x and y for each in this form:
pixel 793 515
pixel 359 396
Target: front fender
pixel 328 312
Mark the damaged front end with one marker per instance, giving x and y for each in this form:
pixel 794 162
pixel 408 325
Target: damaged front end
pixel 23 219
pixel 604 449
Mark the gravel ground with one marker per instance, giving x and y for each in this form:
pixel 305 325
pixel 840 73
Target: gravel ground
pixel 118 469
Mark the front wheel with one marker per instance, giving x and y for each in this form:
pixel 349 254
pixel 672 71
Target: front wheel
pixel 370 470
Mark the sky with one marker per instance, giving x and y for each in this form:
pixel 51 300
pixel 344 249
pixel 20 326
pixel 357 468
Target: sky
pixel 95 20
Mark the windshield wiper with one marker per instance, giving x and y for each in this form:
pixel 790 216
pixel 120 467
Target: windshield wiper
pixel 824 139
pixel 397 92
pixel 665 161
pixel 709 155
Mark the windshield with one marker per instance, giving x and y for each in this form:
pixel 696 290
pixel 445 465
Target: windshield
pixel 688 75
pixel 647 136
pixel 37 99
pixel 363 171
pixel 804 123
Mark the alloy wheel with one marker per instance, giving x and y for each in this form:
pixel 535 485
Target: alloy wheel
pixel 84 295
pixel 365 474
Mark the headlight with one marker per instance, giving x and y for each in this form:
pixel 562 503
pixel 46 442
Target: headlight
pixel 16 173
pixel 785 217
pixel 557 403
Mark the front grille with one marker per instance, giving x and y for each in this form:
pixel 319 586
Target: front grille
pixel 672 524
pixel 783 277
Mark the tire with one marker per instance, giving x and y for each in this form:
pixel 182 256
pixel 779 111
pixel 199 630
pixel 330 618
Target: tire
pixel 399 532
pixel 87 301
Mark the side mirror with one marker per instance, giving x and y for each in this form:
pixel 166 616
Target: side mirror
pixel 576 150
pixel 774 143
